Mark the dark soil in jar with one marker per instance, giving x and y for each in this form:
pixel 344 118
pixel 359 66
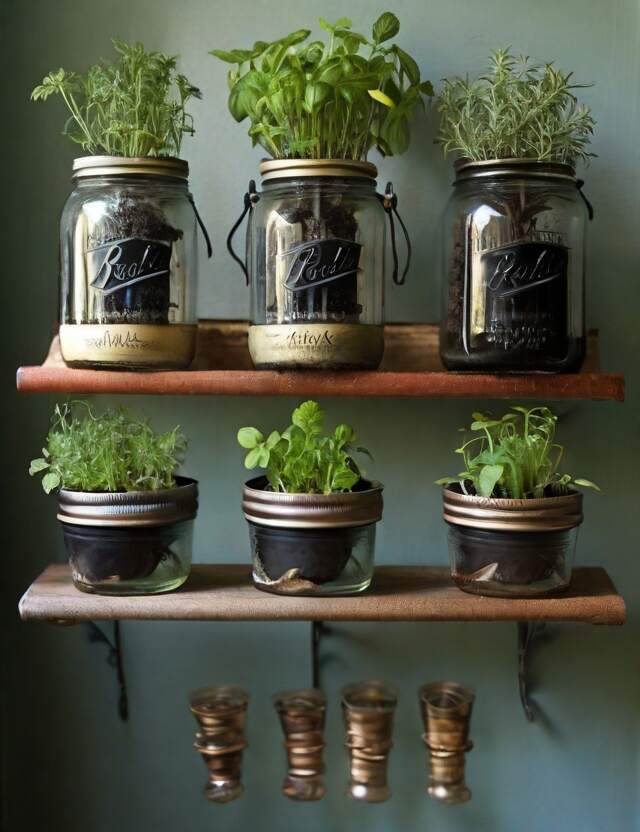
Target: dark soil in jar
pixel 336 301
pixel 510 557
pixel 319 555
pixel 523 332
pixel 99 554
pixel 147 301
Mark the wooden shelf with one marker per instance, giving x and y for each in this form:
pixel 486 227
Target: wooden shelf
pixel 411 369
pixel 398 593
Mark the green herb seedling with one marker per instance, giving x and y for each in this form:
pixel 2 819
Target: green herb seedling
pixel 134 107
pixel 109 452
pixel 327 100
pixel 514 457
pixel 303 459
pixel 517 110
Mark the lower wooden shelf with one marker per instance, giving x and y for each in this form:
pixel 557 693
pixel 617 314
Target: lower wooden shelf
pixel 398 593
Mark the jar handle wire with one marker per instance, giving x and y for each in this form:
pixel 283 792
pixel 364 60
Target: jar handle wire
pixel 390 204
pixel 579 184
pixel 203 228
pixel 251 198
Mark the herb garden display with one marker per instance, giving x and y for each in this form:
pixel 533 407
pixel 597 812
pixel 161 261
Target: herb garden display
pixel 312 517
pixel 128 230
pixel 513 517
pixel 316 250
pixel 515 226
pixel 126 517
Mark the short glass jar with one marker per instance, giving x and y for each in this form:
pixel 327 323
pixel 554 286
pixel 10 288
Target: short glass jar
pixel 312 544
pixel 514 263
pixel 316 264
pixel 128 265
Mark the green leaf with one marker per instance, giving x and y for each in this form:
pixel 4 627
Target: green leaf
pixel 38 465
pixel 446 480
pixel 235 56
pixel 249 437
pixel 489 476
pixel 309 417
pixel 50 481
pixel 587 484
pixel 315 94
pixel 386 26
pixel 408 65
pixel 273 439
pixel 252 459
pixel 426 88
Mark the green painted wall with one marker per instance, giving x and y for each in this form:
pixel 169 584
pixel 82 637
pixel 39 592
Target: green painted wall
pixel 68 763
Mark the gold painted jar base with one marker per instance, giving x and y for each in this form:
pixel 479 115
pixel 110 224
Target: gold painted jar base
pixel 128 346
pixel 319 346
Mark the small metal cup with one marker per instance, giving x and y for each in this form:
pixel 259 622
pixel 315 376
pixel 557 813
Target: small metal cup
pixel 221 712
pixel 368 709
pixel 302 714
pixel 446 713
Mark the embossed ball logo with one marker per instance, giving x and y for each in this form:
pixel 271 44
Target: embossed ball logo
pixel 319 262
pixel 121 263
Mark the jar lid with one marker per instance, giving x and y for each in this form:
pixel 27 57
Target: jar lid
pixel 296 168
pixel 467 169
pixel 86 166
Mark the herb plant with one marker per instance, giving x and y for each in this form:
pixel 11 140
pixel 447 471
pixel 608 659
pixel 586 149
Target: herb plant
pixel 327 101
pixel 128 108
pixel 109 452
pixel 517 110
pixel 514 457
pixel 303 459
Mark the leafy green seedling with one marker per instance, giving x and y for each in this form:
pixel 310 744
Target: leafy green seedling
pixel 517 110
pixel 110 452
pixel 322 100
pixel 134 107
pixel 514 457
pixel 303 459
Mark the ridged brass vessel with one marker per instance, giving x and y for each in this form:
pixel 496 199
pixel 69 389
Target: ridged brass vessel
pixel 446 713
pixel 221 712
pixel 302 714
pixel 368 709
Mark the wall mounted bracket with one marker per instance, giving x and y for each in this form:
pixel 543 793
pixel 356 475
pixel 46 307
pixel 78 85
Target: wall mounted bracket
pixel 114 658
pixel 527 632
pixel 318 630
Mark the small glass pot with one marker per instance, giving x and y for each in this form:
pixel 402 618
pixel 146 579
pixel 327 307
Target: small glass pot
pixel 514 262
pixel 129 265
pixel 316 265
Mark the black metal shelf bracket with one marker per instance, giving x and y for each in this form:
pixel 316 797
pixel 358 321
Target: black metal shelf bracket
pixel 527 632
pixel 114 658
pixel 318 630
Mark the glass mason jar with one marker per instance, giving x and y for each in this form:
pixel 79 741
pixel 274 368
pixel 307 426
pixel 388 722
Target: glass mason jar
pixel 514 261
pixel 316 264
pixel 129 267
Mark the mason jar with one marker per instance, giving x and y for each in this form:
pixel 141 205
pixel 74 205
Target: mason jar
pixel 514 263
pixel 316 265
pixel 129 265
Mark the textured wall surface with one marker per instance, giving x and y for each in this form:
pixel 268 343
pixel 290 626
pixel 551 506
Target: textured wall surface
pixel 69 764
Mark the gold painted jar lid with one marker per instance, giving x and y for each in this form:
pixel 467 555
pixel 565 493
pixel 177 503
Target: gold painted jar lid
pixel 468 169
pixel 86 166
pixel 296 168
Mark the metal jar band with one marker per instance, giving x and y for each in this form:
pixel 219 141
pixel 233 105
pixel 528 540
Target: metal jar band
pixel 296 168
pixel 545 514
pixel 86 166
pixel 130 508
pixel 515 168
pixel 311 511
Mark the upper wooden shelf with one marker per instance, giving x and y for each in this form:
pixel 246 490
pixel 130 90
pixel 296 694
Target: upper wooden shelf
pixel 411 369
pixel 398 593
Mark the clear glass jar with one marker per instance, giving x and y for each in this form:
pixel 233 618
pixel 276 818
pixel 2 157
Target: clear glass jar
pixel 514 262
pixel 128 265
pixel 316 263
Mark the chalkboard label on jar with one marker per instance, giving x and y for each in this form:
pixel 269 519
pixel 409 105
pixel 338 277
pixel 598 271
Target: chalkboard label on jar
pixel 121 263
pixel 318 262
pixel 525 297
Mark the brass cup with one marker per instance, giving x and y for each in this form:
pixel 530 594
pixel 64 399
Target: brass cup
pixel 302 714
pixel 368 709
pixel 221 712
pixel 446 713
